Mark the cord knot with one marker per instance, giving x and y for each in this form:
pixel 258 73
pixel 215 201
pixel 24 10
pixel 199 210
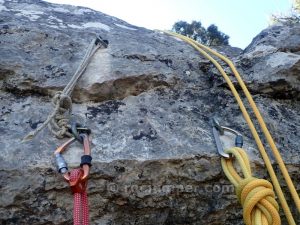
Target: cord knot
pixel 256 195
pixel 59 124
pixel 64 101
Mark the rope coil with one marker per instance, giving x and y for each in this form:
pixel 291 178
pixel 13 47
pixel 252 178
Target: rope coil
pixel 255 195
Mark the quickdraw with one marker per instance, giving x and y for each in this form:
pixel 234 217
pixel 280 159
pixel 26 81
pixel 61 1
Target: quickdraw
pixel 77 178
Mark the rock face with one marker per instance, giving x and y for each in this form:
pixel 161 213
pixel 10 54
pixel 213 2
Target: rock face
pixel 148 99
pixel 274 55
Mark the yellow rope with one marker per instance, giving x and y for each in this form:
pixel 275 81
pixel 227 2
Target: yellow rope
pixel 263 126
pixel 256 195
pixel 199 47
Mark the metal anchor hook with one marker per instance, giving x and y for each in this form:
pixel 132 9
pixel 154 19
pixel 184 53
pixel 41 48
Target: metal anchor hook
pixel 218 131
pixel 100 41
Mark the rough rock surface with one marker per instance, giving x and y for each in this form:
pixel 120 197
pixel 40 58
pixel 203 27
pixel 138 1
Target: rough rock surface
pixel 148 99
pixel 274 55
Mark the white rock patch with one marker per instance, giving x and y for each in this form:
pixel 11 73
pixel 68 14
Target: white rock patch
pixel 53 19
pixel 125 27
pixel 75 11
pixel 32 15
pixel 53 26
pixel 2 7
pixel 82 11
pixel 96 25
pixel 74 26
pixel 62 10
pixel 282 59
pixel 261 51
pixel 99 69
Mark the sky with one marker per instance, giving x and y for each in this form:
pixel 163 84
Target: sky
pixel 242 20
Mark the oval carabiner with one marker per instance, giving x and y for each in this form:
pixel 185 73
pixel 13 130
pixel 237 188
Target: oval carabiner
pixel 86 158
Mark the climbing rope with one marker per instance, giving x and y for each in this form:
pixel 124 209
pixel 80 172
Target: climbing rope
pixel 81 208
pixel 58 120
pixel 256 195
pixel 203 50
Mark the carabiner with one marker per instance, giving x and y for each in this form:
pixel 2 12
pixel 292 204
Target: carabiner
pixel 85 164
pixel 219 130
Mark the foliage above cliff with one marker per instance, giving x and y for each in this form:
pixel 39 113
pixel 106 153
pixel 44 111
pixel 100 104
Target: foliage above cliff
pixel 195 30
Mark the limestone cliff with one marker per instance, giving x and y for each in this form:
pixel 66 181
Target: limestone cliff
pixel 148 99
